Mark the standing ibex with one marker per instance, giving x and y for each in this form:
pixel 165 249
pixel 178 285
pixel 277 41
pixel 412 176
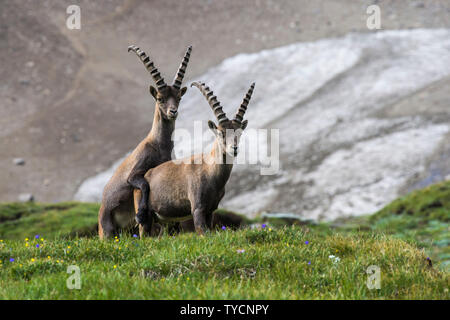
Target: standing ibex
pixel 193 187
pixel 117 209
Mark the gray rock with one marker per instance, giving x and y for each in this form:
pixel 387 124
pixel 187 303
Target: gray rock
pixel 26 197
pixel 19 161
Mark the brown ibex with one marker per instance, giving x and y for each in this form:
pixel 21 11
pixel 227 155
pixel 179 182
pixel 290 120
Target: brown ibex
pixel 192 188
pixel 117 208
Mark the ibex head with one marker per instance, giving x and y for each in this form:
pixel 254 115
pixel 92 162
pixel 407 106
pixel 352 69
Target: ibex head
pixel 227 132
pixel 167 96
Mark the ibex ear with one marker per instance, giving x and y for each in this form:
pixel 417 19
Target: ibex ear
pixel 183 91
pixel 153 91
pixel 244 124
pixel 212 126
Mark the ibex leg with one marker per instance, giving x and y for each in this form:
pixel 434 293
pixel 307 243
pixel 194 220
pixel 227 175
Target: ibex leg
pixel 145 229
pixel 139 182
pixel 199 221
pixel 106 227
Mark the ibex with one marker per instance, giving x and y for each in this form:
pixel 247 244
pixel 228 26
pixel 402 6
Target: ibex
pixel 117 208
pixel 193 187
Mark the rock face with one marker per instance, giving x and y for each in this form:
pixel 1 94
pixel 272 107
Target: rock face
pixel 348 142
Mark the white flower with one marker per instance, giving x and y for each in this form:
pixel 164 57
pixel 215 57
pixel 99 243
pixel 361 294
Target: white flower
pixel 334 258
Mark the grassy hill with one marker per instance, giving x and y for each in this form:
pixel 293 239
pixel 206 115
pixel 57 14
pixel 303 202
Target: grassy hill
pixel 408 240
pixel 65 219
pixel 262 263
pixel 421 218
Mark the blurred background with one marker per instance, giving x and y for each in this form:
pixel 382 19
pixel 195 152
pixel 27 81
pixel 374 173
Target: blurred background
pixel 364 115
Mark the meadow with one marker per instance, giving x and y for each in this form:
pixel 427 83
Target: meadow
pixel 267 259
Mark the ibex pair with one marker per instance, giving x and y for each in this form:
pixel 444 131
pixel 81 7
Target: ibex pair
pixel 173 190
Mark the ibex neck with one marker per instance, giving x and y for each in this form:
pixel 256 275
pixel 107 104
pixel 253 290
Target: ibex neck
pixel 162 128
pixel 219 166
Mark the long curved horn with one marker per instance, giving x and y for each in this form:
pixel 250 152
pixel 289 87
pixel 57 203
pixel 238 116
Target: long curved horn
pixel 212 100
pixel 182 69
pixel 149 65
pixel 241 111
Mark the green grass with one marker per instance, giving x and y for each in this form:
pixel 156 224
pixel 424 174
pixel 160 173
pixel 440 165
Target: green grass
pixel 65 219
pixel 273 265
pixel 421 218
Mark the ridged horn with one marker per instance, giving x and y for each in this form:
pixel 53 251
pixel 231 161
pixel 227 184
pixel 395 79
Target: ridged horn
pixel 212 100
pixel 241 111
pixel 149 65
pixel 182 69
